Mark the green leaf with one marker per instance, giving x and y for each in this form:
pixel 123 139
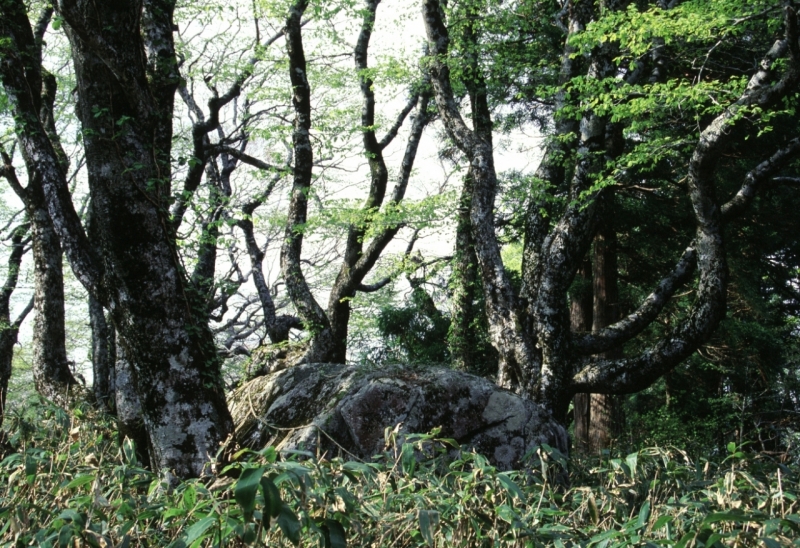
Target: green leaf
pixel 272 500
pixel 685 540
pixel 507 514
pixel 428 521
pixel 606 535
pixel 661 522
pixel 770 543
pixel 644 515
pixel 511 487
pixel 729 516
pixel 409 461
pixel 80 480
pixel 632 461
pixel 73 516
pixel 129 452
pixel 65 536
pixel 289 524
pixel 246 489
pixel 172 512
pixel 189 497
pixel 198 528
pixel 335 536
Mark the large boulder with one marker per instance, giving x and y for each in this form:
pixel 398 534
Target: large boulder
pixel 332 408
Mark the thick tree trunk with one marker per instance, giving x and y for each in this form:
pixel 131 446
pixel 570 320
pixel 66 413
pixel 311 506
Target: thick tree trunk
pixel 580 315
pixel 464 284
pixel 130 418
pixel 163 329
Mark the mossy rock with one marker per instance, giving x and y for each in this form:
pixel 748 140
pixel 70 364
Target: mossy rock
pixel 332 409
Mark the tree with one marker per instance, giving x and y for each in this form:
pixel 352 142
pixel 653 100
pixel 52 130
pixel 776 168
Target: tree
pixel 539 355
pixel 9 330
pixel 328 328
pixel 51 372
pixel 126 73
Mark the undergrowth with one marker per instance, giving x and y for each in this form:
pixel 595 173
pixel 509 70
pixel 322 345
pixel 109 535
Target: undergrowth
pixel 65 481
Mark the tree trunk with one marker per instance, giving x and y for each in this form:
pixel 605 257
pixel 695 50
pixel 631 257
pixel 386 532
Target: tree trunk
pixel 10 330
pixel 581 322
pixel 163 330
pixel 126 75
pixel 329 328
pixel 103 358
pixel 463 282
pixel 130 419
pixel 278 327
pixel 51 372
pixel 603 413
pixel 313 316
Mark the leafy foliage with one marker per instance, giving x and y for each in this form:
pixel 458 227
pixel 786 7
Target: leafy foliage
pixel 66 482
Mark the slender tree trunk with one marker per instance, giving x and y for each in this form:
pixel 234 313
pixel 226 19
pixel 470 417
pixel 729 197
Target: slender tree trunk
pixel 313 316
pixel 102 357
pixel 358 257
pixel 8 338
pixel 51 372
pixel 278 327
pixel 329 328
pixel 9 330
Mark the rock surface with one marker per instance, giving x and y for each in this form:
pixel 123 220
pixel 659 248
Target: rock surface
pixel 330 408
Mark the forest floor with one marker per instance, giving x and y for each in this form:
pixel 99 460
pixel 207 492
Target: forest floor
pixel 66 481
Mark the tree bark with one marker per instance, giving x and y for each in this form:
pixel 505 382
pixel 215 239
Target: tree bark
pixel 130 417
pixel 580 314
pixel 464 284
pixel 103 358
pixel 51 372
pixel 506 331
pixel 603 409
pixel 313 316
pixel 127 131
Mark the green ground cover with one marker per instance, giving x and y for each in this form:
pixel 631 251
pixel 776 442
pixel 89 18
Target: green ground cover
pixel 65 481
